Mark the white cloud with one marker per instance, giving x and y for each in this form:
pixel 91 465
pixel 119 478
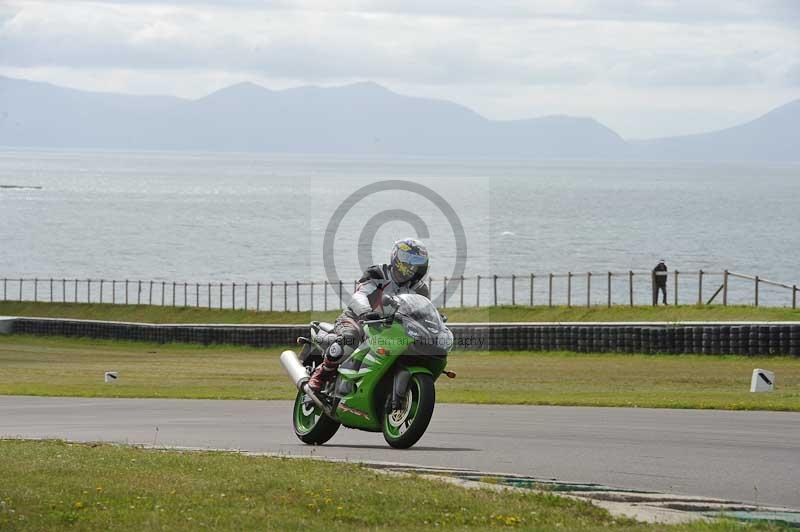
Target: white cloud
pixel 792 75
pixel 683 11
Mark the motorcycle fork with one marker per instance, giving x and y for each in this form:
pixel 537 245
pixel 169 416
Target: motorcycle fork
pixel 399 388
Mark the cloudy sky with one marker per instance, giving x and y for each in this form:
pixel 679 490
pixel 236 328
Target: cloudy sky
pixel 647 68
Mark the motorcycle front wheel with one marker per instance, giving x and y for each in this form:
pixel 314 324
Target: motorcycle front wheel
pixel 311 425
pixel 403 427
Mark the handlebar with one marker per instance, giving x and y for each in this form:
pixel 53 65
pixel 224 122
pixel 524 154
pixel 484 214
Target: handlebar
pixel 382 321
pixel 389 319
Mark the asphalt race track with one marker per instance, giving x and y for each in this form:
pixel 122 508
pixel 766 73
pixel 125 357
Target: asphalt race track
pixel 744 456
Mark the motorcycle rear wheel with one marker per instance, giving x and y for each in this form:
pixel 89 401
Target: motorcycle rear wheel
pixel 403 427
pixel 310 424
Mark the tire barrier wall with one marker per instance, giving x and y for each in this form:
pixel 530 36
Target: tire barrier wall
pixel 754 338
pixel 698 338
pixel 256 335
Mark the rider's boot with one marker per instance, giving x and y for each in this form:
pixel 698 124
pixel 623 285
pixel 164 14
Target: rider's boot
pixel 328 369
pixel 323 374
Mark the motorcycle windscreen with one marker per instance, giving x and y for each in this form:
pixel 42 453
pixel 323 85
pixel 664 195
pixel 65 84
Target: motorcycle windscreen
pixel 423 323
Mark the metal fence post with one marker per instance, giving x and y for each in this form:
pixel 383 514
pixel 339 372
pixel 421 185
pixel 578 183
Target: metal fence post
pixel 725 288
pixel 513 289
pixel 653 287
pixel 700 287
pixel 588 289
pixel 5 288
pixel 36 289
pixel 88 290
pixel 139 292
pixel 209 295
pixel 173 293
pixel 220 295
pixel 163 284
pixel 20 289
pixel 569 289
pixel 756 290
pixel 495 289
pixel 126 291
pixel 608 304
pixel 271 284
pixel 76 291
pixel 51 290
pixel 630 286
pixel 794 296
pixel 185 294
pixel 531 289
pixel 478 292
pixel 676 287
pixel 258 297
pixel 325 296
pixel 461 292
pixel 150 295
pixel 550 291
pixel 101 290
pixel 113 291
pixel 63 291
pixel 233 296
pixel 444 293
pixel 197 295
pixel 341 301
pixel 285 297
pixel 297 294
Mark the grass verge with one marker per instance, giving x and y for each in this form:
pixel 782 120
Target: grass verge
pixel 155 314
pixel 52 485
pixel 56 366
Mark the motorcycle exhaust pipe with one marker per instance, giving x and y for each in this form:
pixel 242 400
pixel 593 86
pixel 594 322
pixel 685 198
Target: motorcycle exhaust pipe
pixel 297 372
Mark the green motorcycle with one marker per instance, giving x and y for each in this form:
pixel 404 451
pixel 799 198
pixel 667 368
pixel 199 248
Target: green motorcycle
pixel 386 385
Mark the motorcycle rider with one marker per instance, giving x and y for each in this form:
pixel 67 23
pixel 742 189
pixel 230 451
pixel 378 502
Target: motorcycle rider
pixel 405 273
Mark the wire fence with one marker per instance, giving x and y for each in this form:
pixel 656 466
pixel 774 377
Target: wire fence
pixel 587 289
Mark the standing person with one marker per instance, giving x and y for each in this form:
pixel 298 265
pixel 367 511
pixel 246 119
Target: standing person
pixel 660 281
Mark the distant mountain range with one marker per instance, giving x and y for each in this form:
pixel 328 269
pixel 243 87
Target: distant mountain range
pixel 357 119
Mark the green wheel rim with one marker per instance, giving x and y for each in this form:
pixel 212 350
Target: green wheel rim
pixel 305 418
pixel 397 422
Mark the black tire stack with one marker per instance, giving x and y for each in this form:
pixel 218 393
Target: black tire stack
pixel 707 338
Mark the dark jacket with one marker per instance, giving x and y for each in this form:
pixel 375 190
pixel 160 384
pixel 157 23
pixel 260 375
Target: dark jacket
pixel 661 280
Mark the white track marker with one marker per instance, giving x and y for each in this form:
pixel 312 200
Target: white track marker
pixel 762 381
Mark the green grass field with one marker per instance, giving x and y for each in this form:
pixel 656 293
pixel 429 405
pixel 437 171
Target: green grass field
pixel 52 485
pixel 147 314
pixel 56 366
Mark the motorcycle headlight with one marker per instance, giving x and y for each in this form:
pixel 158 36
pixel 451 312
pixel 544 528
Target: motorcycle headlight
pixel 445 340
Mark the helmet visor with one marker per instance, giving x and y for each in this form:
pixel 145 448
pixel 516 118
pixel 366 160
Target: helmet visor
pixel 412 259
